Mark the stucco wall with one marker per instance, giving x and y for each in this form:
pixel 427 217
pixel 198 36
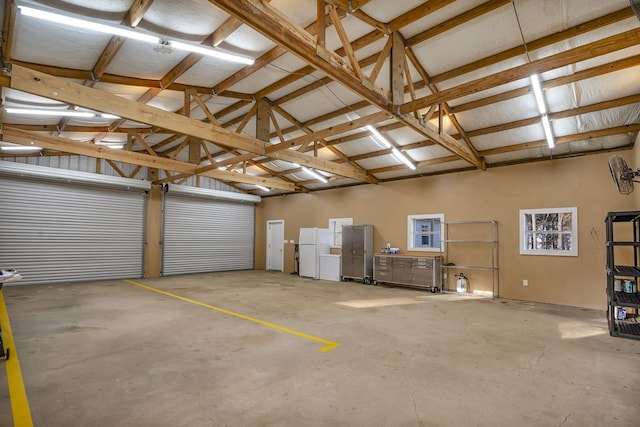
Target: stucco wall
pixel 498 194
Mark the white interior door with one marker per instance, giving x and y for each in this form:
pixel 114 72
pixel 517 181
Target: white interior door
pixel 275 245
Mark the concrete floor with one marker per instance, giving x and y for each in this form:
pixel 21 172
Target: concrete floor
pixel 114 354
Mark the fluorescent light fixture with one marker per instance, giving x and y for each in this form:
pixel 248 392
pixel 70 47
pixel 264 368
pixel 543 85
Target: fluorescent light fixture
pixel 546 125
pixel 59 113
pixel 315 174
pixel 215 53
pixel 377 136
pixel 129 34
pixel 263 188
pixel 114 145
pixel 537 91
pixel 398 155
pixel 20 148
pixel 87 25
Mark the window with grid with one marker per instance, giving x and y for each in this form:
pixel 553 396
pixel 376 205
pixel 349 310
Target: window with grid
pixel 424 232
pixel 552 231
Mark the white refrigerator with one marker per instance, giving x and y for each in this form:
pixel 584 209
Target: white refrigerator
pixel 313 242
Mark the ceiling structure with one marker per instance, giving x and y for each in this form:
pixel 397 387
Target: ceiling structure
pixel 341 92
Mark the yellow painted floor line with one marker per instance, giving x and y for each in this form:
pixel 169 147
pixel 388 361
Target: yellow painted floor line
pixel 330 345
pixel 17 393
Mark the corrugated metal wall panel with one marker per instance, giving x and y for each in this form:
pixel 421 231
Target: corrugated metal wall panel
pixel 203 235
pixel 53 232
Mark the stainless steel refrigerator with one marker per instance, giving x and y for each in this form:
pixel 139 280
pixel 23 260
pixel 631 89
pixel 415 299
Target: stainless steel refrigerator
pixel 357 252
pixel 313 242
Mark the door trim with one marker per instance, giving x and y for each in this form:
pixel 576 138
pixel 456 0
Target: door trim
pixel 269 237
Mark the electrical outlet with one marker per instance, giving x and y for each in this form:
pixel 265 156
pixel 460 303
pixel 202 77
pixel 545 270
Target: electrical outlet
pixel 525 282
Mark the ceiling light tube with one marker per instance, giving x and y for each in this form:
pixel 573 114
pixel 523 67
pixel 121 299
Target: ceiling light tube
pixel 537 91
pixel 87 25
pixel 398 155
pixel 57 113
pixel 19 148
pixel 546 125
pixel 129 34
pixel 314 174
pixel 215 53
pixel 114 145
pixel 377 136
pixel 263 188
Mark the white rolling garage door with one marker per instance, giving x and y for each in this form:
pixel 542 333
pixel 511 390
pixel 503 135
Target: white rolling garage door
pixel 55 231
pixel 203 233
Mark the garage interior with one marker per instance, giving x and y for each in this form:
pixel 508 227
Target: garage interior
pixel 159 160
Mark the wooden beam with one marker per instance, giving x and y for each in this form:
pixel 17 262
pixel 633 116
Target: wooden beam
pixel 600 47
pixel 321 13
pixel 322 141
pixel 62 90
pixel 330 131
pixel 574 31
pixel 274 25
pixel 564 139
pixel 108 54
pixel 380 26
pixel 416 13
pixel 397 68
pixel 136 12
pixel 558 81
pixel 375 71
pixel 217 37
pixel 263 125
pixel 346 44
pixel 91 150
pixel 10 10
pixel 259 63
pixel 212 118
pixel 348 5
pixel 456 21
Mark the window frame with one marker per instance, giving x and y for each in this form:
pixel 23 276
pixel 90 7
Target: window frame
pixel 332 228
pixel 411 233
pixel 550 252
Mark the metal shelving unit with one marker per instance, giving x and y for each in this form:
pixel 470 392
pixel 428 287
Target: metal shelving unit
pixel 490 242
pixel 629 327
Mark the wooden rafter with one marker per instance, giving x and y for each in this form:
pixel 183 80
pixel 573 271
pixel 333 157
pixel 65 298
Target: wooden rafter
pixel 10 11
pixel 558 81
pixel 416 13
pixel 574 31
pixel 443 107
pixel 456 21
pixel 259 63
pixel 564 139
pixel 581 53
pixel 322 141
pixel 80 148
pixel 384 54
pixel 277 27
pixel 333 130
pixel 136 12
pixel 349 5
pixel 346 44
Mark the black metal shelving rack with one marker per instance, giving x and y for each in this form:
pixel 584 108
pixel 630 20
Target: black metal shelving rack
pixel 630 326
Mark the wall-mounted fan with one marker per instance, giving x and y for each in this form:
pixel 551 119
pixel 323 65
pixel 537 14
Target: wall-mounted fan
pixel 623 175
